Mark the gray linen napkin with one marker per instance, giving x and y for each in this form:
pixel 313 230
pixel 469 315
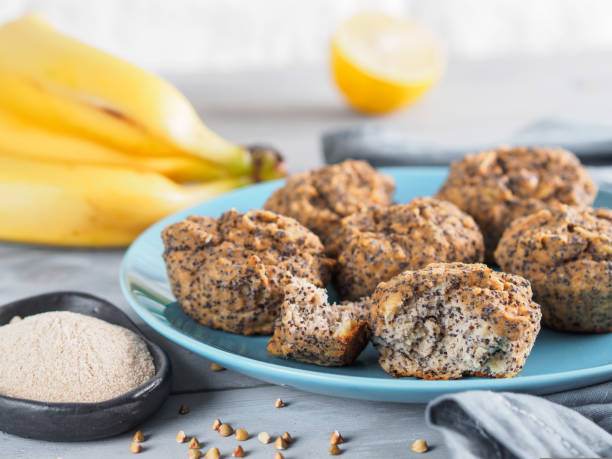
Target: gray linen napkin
pixel 390 147
pixel 484 424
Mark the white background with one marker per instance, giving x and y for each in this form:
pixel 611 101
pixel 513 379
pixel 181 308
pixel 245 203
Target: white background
pixel 194 36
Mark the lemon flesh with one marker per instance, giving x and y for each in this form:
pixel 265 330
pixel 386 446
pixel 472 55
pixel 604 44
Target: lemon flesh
pixel 382 63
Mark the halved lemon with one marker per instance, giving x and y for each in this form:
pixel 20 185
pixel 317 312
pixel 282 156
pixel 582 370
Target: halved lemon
pixel 382 63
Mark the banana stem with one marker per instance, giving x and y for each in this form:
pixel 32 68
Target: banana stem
pixel 267 163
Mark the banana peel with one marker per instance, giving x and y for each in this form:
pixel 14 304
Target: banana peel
pixel 93 149
pixel 65 86
pixel 84 205
pixel 20 139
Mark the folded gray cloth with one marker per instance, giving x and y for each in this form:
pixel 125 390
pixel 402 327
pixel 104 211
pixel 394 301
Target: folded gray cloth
pixel 500 425
pixel 389 147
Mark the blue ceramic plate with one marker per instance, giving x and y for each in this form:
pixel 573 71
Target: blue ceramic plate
pixel 557 362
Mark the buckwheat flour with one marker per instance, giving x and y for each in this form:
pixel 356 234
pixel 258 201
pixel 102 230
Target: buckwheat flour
pixel 62 356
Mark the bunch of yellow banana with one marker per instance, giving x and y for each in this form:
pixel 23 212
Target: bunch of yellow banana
pixel 93 149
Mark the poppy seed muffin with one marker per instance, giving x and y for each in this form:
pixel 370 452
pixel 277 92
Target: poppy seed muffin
pixel 497 186
pixel 319 199
pixel 380 242
pixel 566 253
pixel 311 330
pixel 227 272
pixel 453 319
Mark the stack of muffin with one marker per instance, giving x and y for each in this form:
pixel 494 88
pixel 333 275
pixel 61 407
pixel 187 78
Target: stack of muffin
pixel 411 275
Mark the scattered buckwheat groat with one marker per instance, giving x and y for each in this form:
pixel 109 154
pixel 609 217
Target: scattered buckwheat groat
pixel 419 446
pixel 225 430
pixel 453 319
pixel 184 409
pixel 194 443
pixel 213 453
pixel 264 437
pixel 135 447
pixel 242 435
pixel 280 443
pixel 336 438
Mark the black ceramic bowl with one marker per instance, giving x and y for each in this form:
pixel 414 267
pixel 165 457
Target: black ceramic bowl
pixel 83 421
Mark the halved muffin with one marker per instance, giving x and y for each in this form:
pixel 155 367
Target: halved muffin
pixel 451 320
pixel 310 329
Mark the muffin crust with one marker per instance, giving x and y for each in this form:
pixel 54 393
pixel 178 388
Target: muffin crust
pixel 227 272
pixel 566 253
pixel 498 186
pixel 319 199
pixel 453 319
pixel 376 244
